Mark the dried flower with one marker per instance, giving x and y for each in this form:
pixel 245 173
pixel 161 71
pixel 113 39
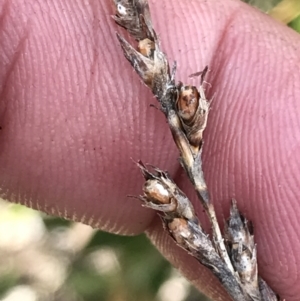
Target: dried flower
pixel 242 250
pixel 186 109
pixel 162 194
pixel 193 108
pixel 134 16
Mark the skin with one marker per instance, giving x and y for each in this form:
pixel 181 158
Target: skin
pixel 73 113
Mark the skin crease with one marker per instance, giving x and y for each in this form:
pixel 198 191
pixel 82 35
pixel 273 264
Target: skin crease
pixel 73 113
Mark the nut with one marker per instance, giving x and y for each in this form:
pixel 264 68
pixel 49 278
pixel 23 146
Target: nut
pixel 187 103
